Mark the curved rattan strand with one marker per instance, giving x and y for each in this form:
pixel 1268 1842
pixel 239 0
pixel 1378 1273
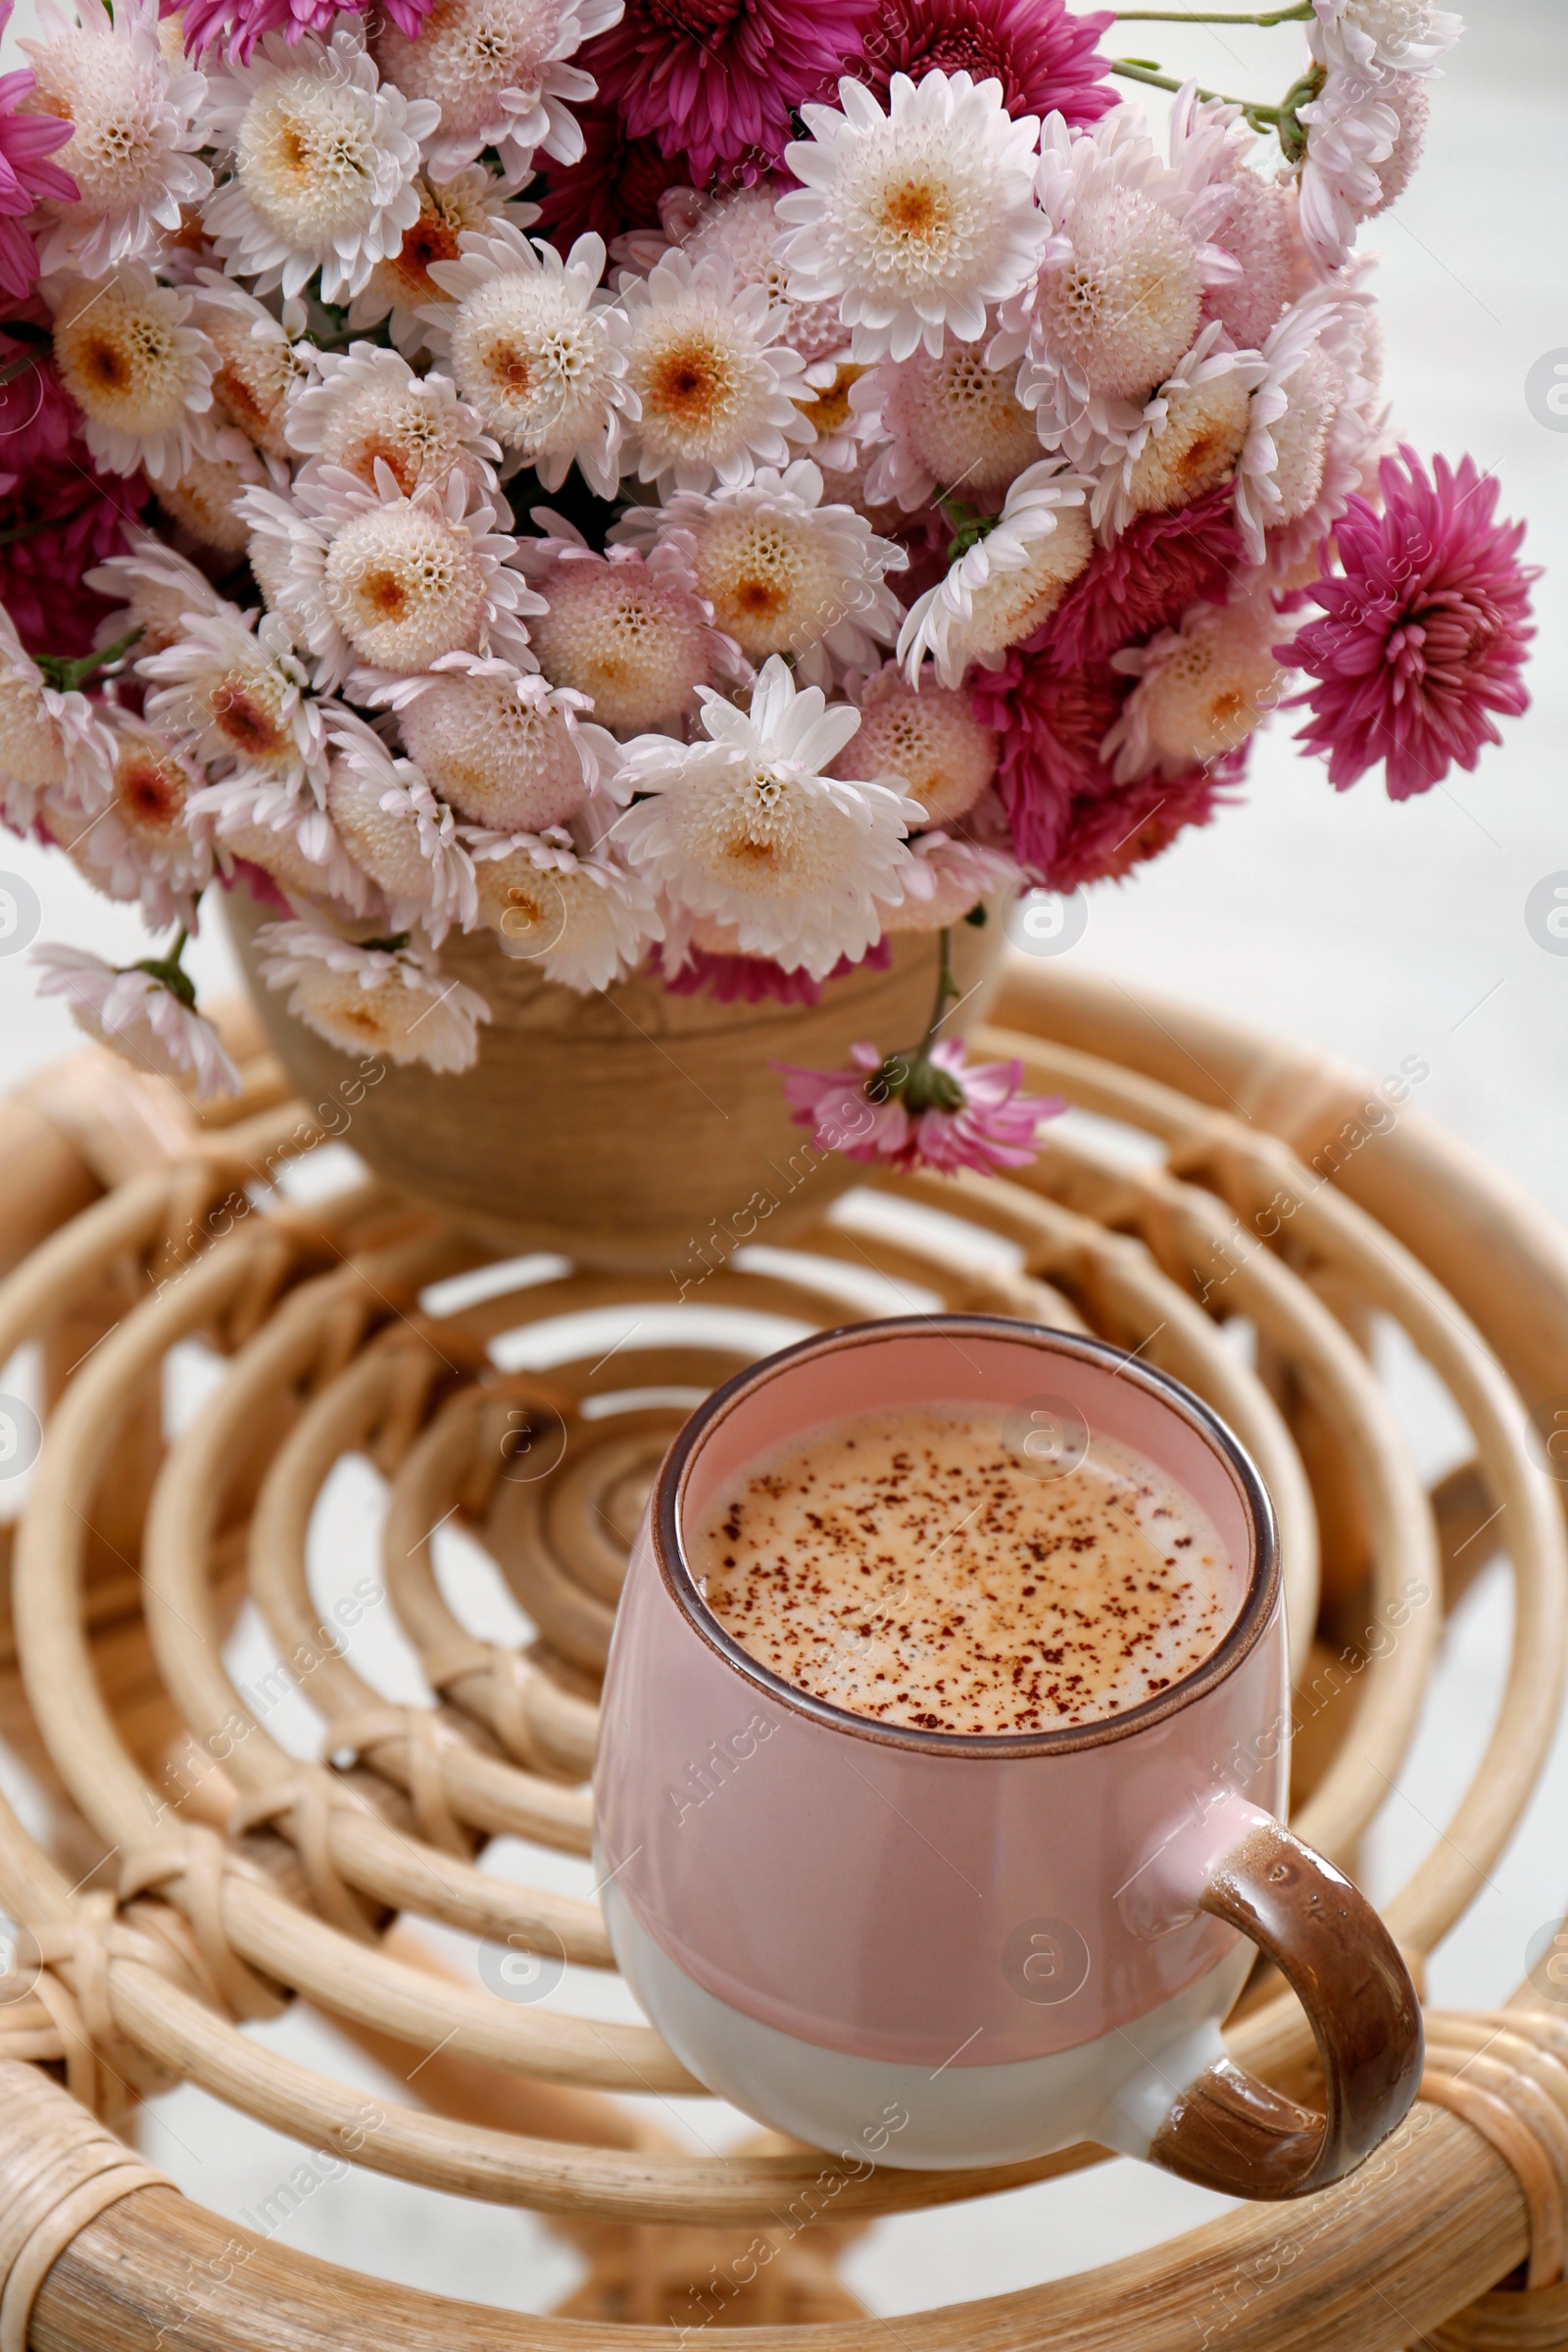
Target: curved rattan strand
pixel 269 1932
pixel 1328 1233
pixel 1422 2231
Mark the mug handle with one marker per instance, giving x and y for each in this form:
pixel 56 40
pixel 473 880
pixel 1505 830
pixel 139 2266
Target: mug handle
pixel 1230 2132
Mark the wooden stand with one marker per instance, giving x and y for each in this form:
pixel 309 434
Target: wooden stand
pixel 226 1877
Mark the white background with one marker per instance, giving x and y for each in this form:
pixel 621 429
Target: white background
pixel 1380 931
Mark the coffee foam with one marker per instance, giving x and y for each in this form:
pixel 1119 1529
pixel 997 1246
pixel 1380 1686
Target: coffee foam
pixel 912 1567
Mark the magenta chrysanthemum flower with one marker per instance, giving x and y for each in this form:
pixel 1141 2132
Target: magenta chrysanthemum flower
pixel 243 23
pixel 1050 727
pixel 1044 57
pixel 38 419
pixel 57 520
pixel 757 979
pixel 1071 822
pixel 26 175
pixel 59 516
pixel 931 1109
pixel 1104 835
pixel 613 186
pixel 1424 629
pixel 1147 579
pixel 719 79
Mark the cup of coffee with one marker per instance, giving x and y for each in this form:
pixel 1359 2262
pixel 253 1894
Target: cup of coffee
pixel 943 1758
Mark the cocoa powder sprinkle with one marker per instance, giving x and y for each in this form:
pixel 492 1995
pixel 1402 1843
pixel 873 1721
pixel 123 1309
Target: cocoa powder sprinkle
pixel 910 1566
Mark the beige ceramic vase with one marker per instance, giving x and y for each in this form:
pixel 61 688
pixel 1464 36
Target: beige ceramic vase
pixel 630 1129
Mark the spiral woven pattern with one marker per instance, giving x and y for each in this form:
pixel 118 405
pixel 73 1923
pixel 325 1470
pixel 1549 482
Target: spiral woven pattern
pixel 1218 1183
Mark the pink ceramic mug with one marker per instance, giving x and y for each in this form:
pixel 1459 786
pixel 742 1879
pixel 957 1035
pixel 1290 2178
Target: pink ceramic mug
pixel 955 1950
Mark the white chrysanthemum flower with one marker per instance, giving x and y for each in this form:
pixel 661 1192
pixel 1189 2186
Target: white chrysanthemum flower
pixel 232 694
pixel 716 389
pixel 1309 424
pixel 140 373
pixel 1119 295
pixel 585 921
pixel 946 880
pixel 399 833
pixel 928 737
pixel 1002 588
pixel 143 844
pixel 509 751
pixel 323 159
pixel 49 742
pixel 912 221
pixel 498 70
pixel 538 350
pixel 1400 37
pixel 750 828
pixel 399 288
pixel 286 832
pixel 949 426
pixel 783 572
pixel 367 404
pixel 205 495
pixel 140 1016
pixel 267 552
pixel 1188 439
pixel 396 581
pixel 155 589
pixel 1201 690
pixel 371 1000
pixel 258 366
pixel 134 133
pixel 628 632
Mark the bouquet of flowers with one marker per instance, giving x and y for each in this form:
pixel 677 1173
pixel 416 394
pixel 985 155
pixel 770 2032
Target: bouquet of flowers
pixel 694 486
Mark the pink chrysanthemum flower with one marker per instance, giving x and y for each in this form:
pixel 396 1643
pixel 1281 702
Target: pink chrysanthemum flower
pixel 1042 54
pixel 1071 821
pixel 720 79
pixel 1102 840
pixel 27 179
pixel 1424 629
pixel 243 23
pixel 931 1109
pixel 1146 578
pixel 1050 727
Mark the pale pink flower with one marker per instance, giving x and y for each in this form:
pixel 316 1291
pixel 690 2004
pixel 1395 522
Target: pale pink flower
pixel 374 998
pixel 138 1013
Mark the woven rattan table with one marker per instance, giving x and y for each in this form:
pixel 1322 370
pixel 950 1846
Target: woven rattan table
pixel 192 1874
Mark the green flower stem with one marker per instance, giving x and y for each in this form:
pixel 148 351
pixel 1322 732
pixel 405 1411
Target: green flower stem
pixel 1300 14
pixel 169 971
pixel 46 522
pixel 67 676
pixel 968 526
pixel 948 991
pixel 1261 118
